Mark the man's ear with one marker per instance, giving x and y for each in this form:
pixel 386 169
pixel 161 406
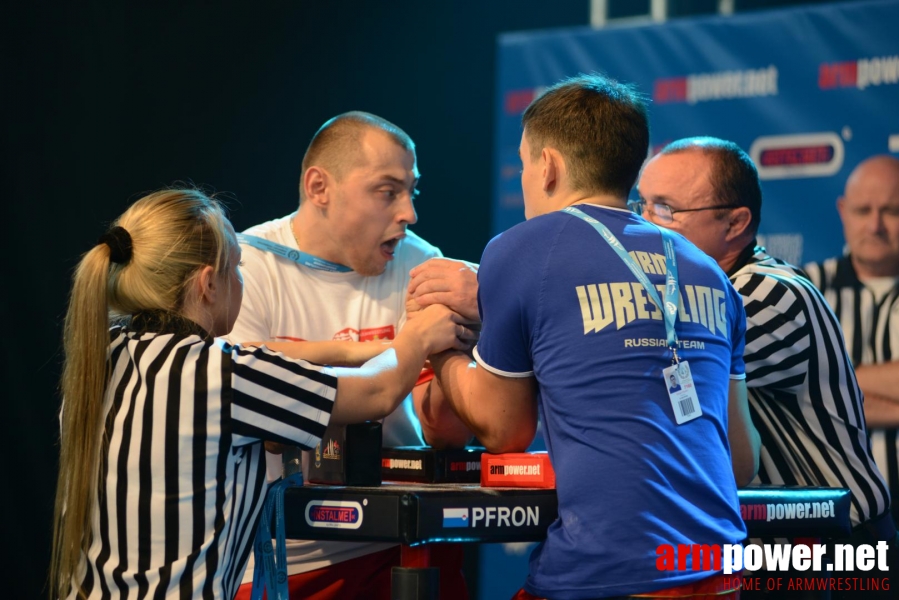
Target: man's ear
pixel 316 182
pixel 551 161
pixel 841 203
pixel 738 224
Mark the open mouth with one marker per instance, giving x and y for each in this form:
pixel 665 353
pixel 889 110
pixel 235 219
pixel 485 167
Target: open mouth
pixel 388 247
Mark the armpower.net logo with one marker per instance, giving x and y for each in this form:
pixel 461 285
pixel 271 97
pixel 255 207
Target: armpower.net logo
pixel 859 74
pixel 718 85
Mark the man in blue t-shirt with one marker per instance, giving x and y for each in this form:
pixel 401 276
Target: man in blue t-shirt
pixel 571 327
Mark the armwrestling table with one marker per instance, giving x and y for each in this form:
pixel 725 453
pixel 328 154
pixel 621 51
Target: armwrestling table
pixel 415 515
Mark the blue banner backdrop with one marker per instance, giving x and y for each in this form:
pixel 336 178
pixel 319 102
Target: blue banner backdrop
pixel 809 93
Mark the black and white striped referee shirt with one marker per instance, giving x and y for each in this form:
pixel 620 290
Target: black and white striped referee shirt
pixel 803 395
pixel 182 479
pixel 871 329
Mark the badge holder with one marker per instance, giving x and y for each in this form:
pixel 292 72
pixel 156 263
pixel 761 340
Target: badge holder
pixel 682 391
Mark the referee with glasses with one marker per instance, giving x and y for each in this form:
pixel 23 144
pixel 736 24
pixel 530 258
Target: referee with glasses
pixel 803 394
pixel 862 287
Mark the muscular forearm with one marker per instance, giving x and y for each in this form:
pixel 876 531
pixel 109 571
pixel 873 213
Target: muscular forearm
pixel 502 415
pixel 441 426
pixel 453 370
pixel 880 380
pixel 881 412
pixel 376 388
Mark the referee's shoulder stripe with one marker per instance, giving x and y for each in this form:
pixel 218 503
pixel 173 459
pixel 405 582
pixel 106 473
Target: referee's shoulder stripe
pixel 770 290
pixel 792 382
pixel 296 366
pixel 290 389
pixel 773 318
pixel 792 341
pixel 747 283
pixel 280 413
pixel 762 370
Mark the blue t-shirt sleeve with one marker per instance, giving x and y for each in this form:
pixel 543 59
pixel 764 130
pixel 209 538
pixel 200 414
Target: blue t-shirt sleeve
pixel 738 332
pixel 508 287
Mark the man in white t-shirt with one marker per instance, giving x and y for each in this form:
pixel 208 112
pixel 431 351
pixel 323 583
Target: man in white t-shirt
pixel 341 272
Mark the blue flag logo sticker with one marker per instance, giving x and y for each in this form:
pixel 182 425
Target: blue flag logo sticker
pixel 455 517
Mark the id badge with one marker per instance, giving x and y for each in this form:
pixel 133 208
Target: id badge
pixel 682 392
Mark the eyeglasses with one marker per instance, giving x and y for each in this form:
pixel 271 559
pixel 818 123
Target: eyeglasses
pixel 664 212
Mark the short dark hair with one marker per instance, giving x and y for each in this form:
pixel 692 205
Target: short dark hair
pixel 600 127
pixel 335 143
pixel 734 177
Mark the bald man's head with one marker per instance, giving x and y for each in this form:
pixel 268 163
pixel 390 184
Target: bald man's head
pixel 869 209
pixel 337 145
pixel 881 171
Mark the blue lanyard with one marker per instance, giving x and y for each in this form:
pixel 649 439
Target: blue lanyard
pixel 672 298
pixel 270 571
pixel 297 256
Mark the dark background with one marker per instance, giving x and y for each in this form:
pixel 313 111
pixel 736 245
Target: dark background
pixel 102 103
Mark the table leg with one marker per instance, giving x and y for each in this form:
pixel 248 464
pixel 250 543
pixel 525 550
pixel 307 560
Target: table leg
pixel 415 579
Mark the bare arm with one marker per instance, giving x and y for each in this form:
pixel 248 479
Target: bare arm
pixel 440 425
pixel 879 380
pixel 336 353
pixel 881 412
pixel 501 411
pixel 376 388
pixel 741 433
